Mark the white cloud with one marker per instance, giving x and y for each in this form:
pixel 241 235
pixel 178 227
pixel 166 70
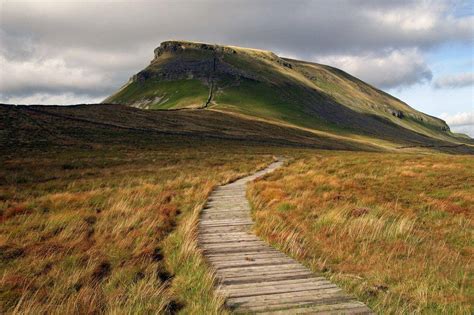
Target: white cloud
pixel 396 68
pixel 459 119
pixel 460 122
pixel 454 81
pixel 420 16
pixel 44 74
pixel 467 130
pixel 56 99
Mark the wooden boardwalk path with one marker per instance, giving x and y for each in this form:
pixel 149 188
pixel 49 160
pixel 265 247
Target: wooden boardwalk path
pixel 254 277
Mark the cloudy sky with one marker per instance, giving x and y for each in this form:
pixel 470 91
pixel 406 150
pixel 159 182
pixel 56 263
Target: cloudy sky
pixel 65 52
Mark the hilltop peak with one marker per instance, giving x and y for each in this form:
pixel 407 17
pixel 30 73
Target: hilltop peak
pixel 175 46
pixel 180 46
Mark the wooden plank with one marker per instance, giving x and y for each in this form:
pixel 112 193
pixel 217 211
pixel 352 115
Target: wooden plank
pixel 351 307
pixel 242 213
pixel 294 290
pixel 229 195
pixel 256 279
pixel 263 269
pixel 224 214
pixel 265 275
pixel 242 235
pixel 228 224
pixel 223 211
pixel 285 303
pixel 269 286
pixel 225 221
pixel 332 296
pixel 228 199
pixel 235 244
pixel 268 262
pixel 211 230
pixel 247 256
pixel 218 229
pixel 214 216
pixel 248 262
pixel 280 283
pixel 222 234
pixel 221 242
pixel 248 249
pixel 204 240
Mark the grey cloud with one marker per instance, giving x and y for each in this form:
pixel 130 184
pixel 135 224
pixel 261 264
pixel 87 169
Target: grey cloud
pixel 396 68
pixel 43 98
pixel 461 122
pixel 454 81
pixel 459 119
pixel 468 130
pixel 114 39
pixel 303 26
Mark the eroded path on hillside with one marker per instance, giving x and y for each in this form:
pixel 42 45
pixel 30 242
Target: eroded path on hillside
pixel 254 277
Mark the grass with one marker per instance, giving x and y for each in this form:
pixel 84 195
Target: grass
pixel 265 101
pixel 153 94
pixel 393 229
pixel 99 204
pixel 110 230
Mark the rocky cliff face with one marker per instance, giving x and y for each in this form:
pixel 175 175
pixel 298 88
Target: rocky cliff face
pixel 201 61
pixel 182 46
pixel 172 62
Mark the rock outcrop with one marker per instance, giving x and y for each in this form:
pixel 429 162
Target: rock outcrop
pixel 211 63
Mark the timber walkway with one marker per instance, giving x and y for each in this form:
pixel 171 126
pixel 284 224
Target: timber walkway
pixel 253 276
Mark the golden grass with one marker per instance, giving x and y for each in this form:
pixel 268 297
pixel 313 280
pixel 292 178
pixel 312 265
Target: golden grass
pixel 110 231
pixel 395 230
pixel 114 230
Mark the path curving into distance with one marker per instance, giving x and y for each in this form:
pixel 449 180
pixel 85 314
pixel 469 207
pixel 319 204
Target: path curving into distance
pixel 253 276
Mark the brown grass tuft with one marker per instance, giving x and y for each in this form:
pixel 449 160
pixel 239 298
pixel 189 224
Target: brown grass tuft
pixel 396 230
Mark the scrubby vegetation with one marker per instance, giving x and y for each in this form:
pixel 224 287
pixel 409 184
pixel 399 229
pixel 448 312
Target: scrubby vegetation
pixel 110 230
pixel 394 229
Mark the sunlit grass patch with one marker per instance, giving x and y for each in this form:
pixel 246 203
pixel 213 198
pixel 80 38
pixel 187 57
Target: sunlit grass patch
pixel 110 231
pixel 396 230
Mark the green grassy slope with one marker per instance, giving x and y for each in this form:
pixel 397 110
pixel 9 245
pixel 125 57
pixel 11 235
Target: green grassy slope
pixel 261 84
pixel 164 94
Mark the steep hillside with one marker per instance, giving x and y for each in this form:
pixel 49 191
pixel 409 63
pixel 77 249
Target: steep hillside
pixel 261 84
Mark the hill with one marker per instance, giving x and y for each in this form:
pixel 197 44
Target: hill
pixel 260 84
pixel 38 127
pixel 26 128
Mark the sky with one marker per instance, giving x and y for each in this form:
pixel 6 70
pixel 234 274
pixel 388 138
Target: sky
pixel 70 52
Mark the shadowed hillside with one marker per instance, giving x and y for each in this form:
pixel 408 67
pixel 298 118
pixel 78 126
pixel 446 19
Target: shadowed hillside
pixel 88 125
pixel 30 127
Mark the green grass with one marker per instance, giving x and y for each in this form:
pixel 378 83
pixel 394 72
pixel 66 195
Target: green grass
pixel 265 101
pixel 165 94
